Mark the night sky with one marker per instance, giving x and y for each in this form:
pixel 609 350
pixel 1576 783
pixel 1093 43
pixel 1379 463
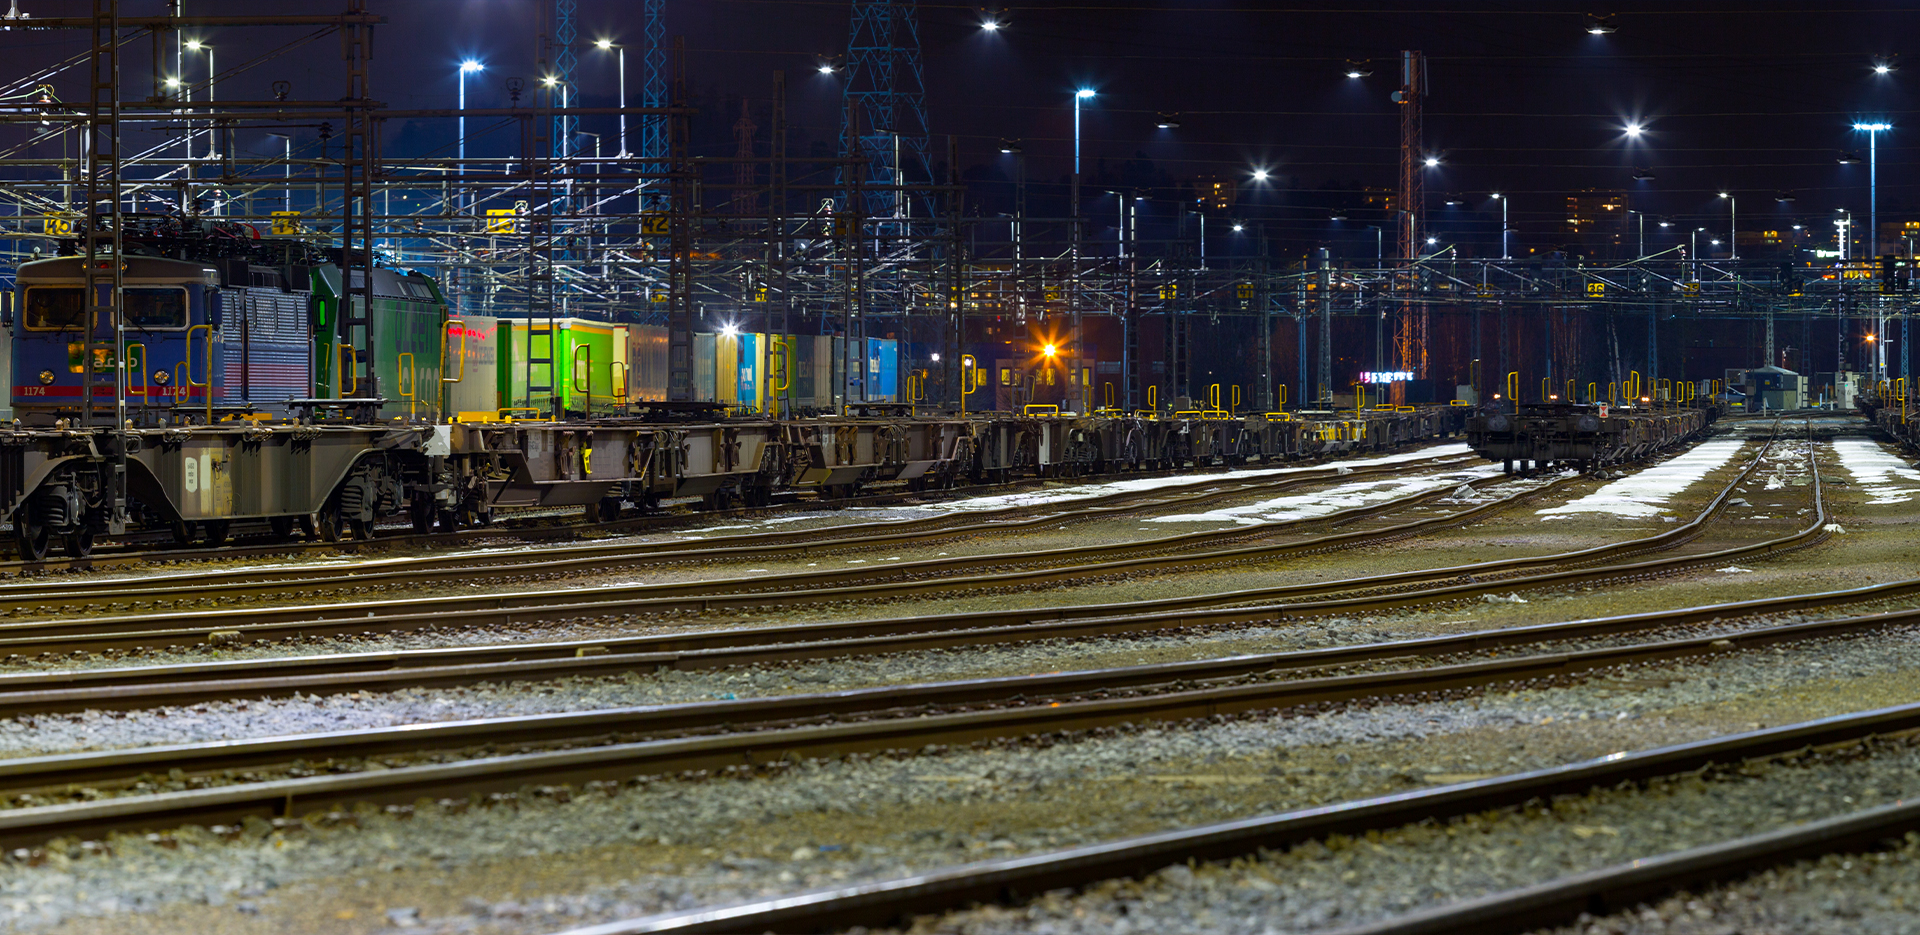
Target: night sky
pixel 1754 99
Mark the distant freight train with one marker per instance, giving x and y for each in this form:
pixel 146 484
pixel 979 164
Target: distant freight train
pixel 1584 436
pixel 243 404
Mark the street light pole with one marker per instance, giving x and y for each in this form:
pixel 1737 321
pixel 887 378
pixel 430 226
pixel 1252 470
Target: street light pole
pixel 1503 224
pixel 1873 180
pixel 620 58
pixel 1733 226
pixel 466 68
pixel 1073 295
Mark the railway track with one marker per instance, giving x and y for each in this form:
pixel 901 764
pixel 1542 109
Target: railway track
pixel 1012 879
pixel 778 730
pixel 1282 602
pixel 760 734
pixel 108 557
pixel 885 718
pixel 470 567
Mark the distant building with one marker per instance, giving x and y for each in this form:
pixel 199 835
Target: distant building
pixel 1597 220
pixel 1214 193
pixel 1901 237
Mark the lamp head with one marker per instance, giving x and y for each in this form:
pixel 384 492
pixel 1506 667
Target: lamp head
pixel 194 45
pixel 1083 93
pixel 470 65
pixel 603 44
pixel 1433 161
pixel 1873 127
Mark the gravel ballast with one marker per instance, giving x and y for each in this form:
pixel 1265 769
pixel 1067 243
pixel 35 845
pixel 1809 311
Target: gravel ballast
pixel 876 818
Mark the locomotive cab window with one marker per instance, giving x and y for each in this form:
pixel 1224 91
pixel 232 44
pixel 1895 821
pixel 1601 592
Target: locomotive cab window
pixel 55 308
pixel 156 309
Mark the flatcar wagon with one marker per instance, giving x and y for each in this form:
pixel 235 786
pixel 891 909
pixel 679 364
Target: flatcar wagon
pixel 245 404
pixel 1582 436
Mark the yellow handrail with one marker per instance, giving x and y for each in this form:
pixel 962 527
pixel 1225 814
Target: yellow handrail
pixel 145 389
pixel 461 372
pixel 1153 398
pixel 208 385
pixel 348 365
pixel 618 378
pixel 1235 406
pixel 409 377
pixel 969 377
pixel 783 376
pixel 1513 389
pixel 574 377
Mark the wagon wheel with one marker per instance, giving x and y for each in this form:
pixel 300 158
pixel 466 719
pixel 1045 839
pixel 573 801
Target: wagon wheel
pixel 216 533
pixel 328 524
pixel 32 539
pixel 79 542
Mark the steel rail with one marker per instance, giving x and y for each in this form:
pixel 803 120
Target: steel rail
pixel 1010 879
pixel 708 595
pixel 915 702
pixel 621 761
pixel 422 569
pixel 96 633
pixel 332 673
pixel 643 523
pixel 1622 886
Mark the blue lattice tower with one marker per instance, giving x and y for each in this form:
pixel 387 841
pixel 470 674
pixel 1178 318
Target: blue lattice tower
pixel 653 94
pixel 565 127
pixel 886 101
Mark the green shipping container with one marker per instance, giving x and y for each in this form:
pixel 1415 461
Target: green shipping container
pixel 589 358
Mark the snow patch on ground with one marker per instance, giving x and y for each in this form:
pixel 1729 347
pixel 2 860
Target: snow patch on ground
pixel 1643 492
pixel 1882 476
pixel 1333 500
pixel 1084 491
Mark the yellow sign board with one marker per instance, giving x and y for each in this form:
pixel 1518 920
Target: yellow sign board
pixel 654 224
pixel 501 220
pixel 286 223
pixel 58 224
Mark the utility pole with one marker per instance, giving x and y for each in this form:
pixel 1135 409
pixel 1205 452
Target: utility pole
pixel 1410 329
